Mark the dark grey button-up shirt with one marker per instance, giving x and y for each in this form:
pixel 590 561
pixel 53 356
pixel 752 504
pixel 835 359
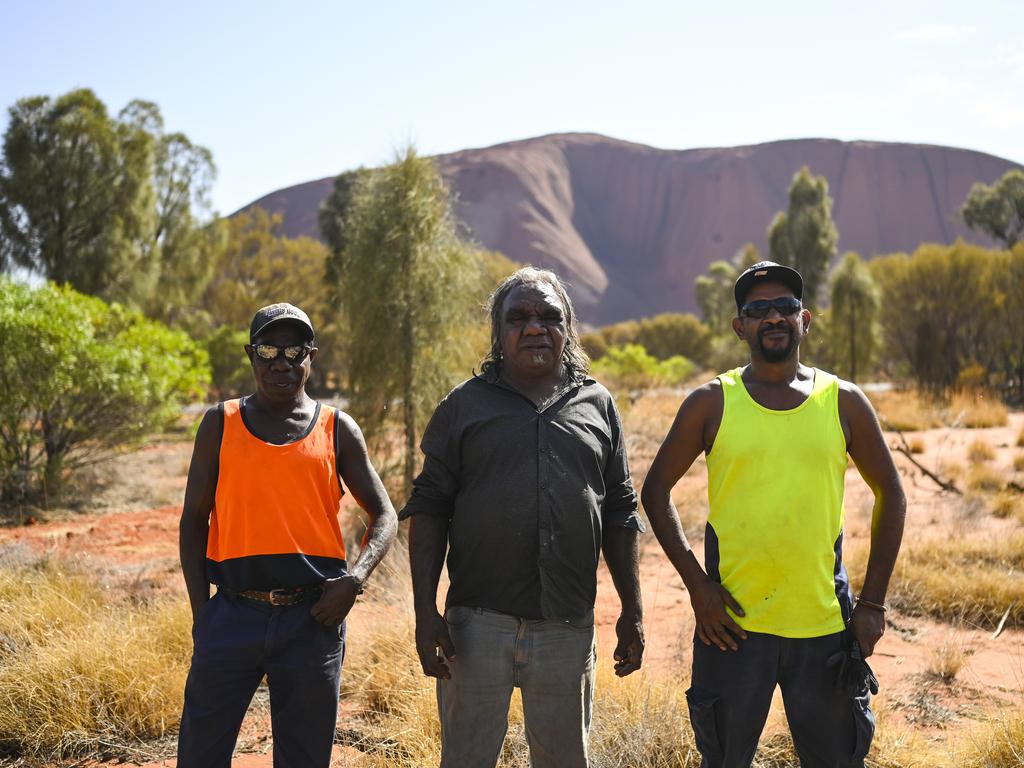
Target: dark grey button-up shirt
pixel 526 493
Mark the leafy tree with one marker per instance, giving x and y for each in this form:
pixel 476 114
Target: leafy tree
pixel 76 194
pixel 407 297
pixel 713 291
pixel 109 205
pixel 853 316
pixel 79 377
pixel 938 312
pixel 1005 281
pixel 183 246
pixel 256 266
pixel 804 237
pixel 998 210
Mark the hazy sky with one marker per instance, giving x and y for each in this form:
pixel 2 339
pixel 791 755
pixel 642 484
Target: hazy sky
pixel 283 96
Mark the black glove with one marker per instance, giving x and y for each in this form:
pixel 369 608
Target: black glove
pixel 851 674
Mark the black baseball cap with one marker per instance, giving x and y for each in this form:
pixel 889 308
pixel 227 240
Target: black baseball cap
pixel 765 271
pixel 276 313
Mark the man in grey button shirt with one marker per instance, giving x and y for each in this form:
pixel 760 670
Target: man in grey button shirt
pixel 524 482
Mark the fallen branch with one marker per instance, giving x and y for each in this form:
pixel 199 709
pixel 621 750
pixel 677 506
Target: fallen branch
pixel 904 448
pixel 1002 623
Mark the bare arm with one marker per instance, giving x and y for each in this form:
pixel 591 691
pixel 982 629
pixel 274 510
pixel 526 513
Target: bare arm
pixel 366 488
pixel 689 435
pixel 866 446
pixel 200 492
pixel 428 542
pixel 621 547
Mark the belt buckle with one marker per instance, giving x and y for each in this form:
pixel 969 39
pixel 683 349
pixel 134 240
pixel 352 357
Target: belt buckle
pixel 278 597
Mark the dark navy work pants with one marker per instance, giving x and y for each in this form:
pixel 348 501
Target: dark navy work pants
pixel 238 641
pixel 731 693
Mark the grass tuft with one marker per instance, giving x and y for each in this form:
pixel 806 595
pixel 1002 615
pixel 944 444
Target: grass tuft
pixel 980 451
pixel 984 478
pixel 946 659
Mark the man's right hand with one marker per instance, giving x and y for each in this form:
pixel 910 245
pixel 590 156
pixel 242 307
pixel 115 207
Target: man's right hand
pixel 431 636
pixel 714 624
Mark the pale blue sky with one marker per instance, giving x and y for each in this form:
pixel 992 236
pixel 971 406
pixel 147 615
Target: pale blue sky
pixel 282 96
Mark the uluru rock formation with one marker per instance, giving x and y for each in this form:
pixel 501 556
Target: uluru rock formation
pixel 630 227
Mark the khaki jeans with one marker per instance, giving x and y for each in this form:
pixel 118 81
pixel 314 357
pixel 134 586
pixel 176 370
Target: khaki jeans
pixel 551 662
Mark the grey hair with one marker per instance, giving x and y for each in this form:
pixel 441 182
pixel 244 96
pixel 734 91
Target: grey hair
pixel 574 358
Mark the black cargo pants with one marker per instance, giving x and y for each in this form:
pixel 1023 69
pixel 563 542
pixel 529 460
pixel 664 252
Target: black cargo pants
pixel 731 693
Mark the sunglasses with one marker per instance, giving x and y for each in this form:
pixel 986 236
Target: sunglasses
pixel 761 308
pixel 293 354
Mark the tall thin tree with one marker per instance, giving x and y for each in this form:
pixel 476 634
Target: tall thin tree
pixel 804 236
pixel 406 288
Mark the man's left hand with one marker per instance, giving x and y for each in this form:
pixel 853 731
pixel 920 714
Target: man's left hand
pixel 868 625
pixel 629 652
pixel 336 601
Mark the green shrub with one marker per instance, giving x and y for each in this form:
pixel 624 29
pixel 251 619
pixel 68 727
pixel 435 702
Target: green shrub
pixel 632 367
pixel 79 377
pixel 230 370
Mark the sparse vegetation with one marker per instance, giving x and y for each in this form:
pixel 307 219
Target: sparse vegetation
pixel 964 580
pixel 912 411
pixel 917 445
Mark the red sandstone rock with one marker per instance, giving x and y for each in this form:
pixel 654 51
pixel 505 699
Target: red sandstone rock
pixel 630 226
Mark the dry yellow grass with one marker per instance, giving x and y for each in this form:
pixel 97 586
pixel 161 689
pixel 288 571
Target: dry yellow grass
pixel 1008 504
pixel 984 478
pixel 917 445
pixel 1000 744
pixel 980 451
pixel 77 679
pixel 912 411
pixel 976 409
pixel 1018 462
pixel 1020 439
pixel 965 579
pixel 946 659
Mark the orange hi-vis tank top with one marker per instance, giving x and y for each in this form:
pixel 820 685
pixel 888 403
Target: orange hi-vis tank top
pixel 774 536
pixel 275 516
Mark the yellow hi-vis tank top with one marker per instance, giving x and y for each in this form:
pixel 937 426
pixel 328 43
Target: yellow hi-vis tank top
pixel 775 526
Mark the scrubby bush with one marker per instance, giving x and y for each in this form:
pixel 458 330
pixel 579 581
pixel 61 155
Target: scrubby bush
pixel 79 377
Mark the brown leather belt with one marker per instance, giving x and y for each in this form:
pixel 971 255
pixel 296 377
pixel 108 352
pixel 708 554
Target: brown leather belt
pixel 278 597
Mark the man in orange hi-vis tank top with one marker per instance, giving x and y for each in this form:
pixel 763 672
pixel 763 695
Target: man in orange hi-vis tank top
pixel 772 604
pixel 260 521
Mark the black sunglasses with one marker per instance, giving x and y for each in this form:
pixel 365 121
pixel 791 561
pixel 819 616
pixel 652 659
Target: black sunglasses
pixel 295 353
pixel 761 308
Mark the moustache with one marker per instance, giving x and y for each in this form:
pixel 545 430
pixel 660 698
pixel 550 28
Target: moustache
pixel 774 329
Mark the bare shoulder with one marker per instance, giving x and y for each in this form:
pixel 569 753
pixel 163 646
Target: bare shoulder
pixel 349 432
pixel 705 399
pixel 853 403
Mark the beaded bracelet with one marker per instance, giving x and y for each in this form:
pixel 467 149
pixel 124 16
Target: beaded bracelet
pixel 877 606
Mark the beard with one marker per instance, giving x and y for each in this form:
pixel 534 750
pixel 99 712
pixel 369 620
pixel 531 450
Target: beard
pixel 776 354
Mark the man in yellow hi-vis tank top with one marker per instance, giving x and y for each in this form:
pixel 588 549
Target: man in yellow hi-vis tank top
pixel 772 603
